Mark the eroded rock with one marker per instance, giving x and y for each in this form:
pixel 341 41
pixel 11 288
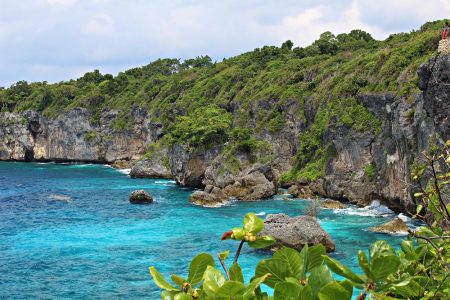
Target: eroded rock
pixel 140 197
pixel 396 226
pixel 296 232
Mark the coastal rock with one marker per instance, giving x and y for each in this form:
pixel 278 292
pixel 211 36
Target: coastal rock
pixel 332 204
pixel 296 232
pixel 150 168
pixel 140 197
pixel 214 198
pixel 396 226
pixel 121 164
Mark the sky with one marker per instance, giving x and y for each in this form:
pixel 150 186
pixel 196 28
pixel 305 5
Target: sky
pixel 54 40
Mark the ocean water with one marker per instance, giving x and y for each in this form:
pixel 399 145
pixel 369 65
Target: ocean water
pixel 69 232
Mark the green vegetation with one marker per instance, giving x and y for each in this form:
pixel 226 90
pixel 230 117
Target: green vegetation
pixel 256 91
pixel 370 171
pixel 420 269
pixel 90 135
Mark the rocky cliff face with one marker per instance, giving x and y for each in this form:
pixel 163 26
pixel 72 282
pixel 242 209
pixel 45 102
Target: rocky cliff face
pixel 370 165
pixel 74 137
pixel 407 129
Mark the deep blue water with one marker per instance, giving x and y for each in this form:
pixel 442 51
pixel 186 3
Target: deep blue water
pixel 99 246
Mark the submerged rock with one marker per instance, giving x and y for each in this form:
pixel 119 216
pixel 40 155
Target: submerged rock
pixel 296 232
pixel 396 226
pixel 332 204
pixel 140 197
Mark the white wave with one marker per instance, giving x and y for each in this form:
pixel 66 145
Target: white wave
pixel 404 217
pixel 375 209
pixel 165 182
pixel 263 213
pixel 124 171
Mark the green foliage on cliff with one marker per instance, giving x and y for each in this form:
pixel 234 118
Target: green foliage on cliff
pixel 203 127
pixel 259 90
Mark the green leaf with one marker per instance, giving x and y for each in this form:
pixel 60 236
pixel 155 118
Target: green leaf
pixel 342 270
pixel 319 277
pixel 178 280
pixel 166 295
pixel 253 287
pixel 224 255
pixel 182 296
pixel 333 291
pixel 384 261
pixel 214 279
pixel 236 273
pixel 239 233
pixel 287 291
pixel 295 260
pixel 262 242
pixel 230 289
pixel 419 209
pixel 198 266
pixel 364 263
pixel 160 281
pixel 315 258
pixel 278 268
pixel 307 293
pixel 253 224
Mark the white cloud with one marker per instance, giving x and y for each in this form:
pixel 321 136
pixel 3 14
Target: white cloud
pixel 62 36
pixel 100 24
pixel 61 2
pixel 305 27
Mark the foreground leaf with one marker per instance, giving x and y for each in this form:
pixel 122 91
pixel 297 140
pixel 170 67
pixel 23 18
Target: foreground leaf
pixel 236 273
pixel 253 224
pixel 278 268
pixel 198 266
pixel 160 281
pixel 334 291
pixel 295 260
pixel 262 242
pixel 287 291
pixel 342 270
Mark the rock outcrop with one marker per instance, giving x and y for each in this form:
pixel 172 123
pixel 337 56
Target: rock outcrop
pixel 296 232
pixel 74 136
pixel 140 197
pixel 395 226
pixel 155 165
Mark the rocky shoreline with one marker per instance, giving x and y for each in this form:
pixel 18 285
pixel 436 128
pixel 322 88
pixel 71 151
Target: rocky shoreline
pixel 366 166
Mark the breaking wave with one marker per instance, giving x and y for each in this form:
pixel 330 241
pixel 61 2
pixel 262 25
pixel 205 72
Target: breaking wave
pixel 375 209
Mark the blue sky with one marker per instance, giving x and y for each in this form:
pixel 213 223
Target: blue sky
pixel 57 40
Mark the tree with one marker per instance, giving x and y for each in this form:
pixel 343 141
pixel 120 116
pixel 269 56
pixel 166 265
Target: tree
pixel 287 45
pixel 327 43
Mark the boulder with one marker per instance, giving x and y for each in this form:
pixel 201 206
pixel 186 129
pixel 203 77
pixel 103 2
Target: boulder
pixel 121 164
pixel 140 197
pixel 396 226
pixel 295 232
pixel 332 204
pixel 150 168
pixel 212 199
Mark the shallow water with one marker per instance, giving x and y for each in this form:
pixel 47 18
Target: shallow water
pixel 68 231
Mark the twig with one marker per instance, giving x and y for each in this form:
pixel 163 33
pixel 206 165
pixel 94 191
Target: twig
pixel 224 267
pixel 438 190
pixel 238 251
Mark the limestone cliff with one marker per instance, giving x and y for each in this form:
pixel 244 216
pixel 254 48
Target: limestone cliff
pixel 366 165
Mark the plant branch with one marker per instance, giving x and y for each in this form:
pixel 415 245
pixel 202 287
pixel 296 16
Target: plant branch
pixel 238 251
pixel 224 267
pixel 438 190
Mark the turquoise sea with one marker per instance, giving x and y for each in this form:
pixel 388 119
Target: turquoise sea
pixel 69 232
